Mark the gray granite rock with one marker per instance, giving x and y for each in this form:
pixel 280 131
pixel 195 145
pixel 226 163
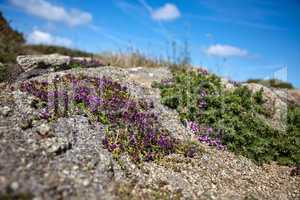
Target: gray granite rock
pixel 29 62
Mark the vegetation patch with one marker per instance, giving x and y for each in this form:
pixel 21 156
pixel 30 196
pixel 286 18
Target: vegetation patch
pixel 275 83
pixel 230 119
pixel 131 127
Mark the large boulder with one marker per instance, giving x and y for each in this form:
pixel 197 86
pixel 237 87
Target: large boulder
pixel 29 62
pixel 291 96
pixel 273 103
pixel 228 86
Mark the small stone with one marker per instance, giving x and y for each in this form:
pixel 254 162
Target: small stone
pixel 2 179
pixel 14 186
pixel 85 182
pixel 43 129
pixel 5 111
pixel 75 167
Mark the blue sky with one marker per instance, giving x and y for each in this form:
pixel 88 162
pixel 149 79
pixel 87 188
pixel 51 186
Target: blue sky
pixel 234 38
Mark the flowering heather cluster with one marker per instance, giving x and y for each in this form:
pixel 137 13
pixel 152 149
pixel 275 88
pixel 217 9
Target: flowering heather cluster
pixel 235 83
pixel 37 89
pixel 202 102
pixel 202 71
pixel 86 63
pixel 131 126
pixel 206 135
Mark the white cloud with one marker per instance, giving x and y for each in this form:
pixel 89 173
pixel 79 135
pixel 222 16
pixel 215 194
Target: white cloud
pixel 48 11
pixel 41 37
pixel 167 12
pixel 225 51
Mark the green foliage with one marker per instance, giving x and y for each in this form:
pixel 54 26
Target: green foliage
pixel 3 72
pixel 234 115
pixel 275 83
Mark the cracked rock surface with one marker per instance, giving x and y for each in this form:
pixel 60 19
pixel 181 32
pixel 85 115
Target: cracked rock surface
pixel 65 159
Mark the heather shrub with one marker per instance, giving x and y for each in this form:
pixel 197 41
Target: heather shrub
pixel 130 126
pixel 229 119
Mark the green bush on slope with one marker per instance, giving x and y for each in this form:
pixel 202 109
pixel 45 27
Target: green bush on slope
pixel 233 115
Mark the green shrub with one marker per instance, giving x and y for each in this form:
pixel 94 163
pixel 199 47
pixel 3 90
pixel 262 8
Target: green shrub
pixel 234 117
pixel 3 72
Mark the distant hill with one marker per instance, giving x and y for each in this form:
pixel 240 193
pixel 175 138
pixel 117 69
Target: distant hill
pixel 13 43
pixel 275 83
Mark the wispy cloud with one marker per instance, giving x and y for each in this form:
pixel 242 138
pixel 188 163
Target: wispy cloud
pixel 225 51
pixel 51 12
pixel 41 37
pixel 250 13
pixel 168 12
pixel 117 40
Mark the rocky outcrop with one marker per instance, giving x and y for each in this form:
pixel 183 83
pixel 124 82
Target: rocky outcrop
pixel 227 85
pixel 29 62
pixel 277 109
pixel 291 96
pixel 65 158
pixel 36 65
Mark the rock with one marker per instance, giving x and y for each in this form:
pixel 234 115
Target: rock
pixel 85 182
pixel 43 129
pixel 56 145
pixel 288 95
pixel 81 59
pixel 29 62
pixel 277 107
pixel 227 85
pixel 14 186
pixel 4 111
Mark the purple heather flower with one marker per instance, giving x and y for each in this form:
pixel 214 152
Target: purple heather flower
pixel 164 142
pixel 132 139
pixel 93 102
pixel 66 102
pixel 44 114
pixel 202 104
pixel 203 93
pixel 149 156
pixel 190 152
pixel 112 147
pixel 209 130
pixel 194 126
pixel 202 71
pixel 210 141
